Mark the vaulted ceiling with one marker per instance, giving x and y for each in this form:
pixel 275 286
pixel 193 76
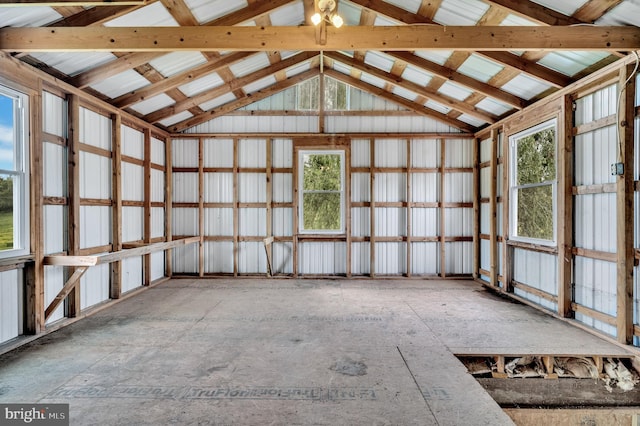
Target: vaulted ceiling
pixel 178 63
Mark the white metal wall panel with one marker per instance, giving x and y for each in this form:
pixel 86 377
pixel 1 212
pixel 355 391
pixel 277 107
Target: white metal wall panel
pixel 54 167
pixel 485 182
pixel 185 187
pixel 157 222
pixel 252 187
pixel 282 187
pixel 54 114
pixel 459 152
pixel 390 187
pixel 132 182
pixel 157 185
pixel 599 104
pixel 132 142
pixel 282 222
pixel 595 288
pixel 485 256
pixel 185 221
pixel 53 283
pixel 425 153
pixel 95 129
pixel 282 153
pixel 360 258
pixel 185 152
pixel 458 187
pixel 157 265
pixel 322 258
pixel 282 258
pixel 251 258
pixel 485 225
pixel 391 153
pixel 251 153
pixel 425 187
pixel 360 221
pixel 218 222
pixel 360 188
pixel 424 222
pixel 255 124
pixel 54 221
pixel 217 153
pixel 459 257
pixel 594 153
pixel 391 221
pixel 132 224
pixel 11 302
pixel 218 257
pixel 360 152
pixel 185 259
pixel 131 273
pixel 252 222
pixel 538 270
pixel 391 258
pixel 218 188
pixel 485 150
pixel 157 151
pixel 95 226
pixel 594 222
pixel 95 176
pixel 94 286
pixel 416 124
pixel 458 222
pixel 425 258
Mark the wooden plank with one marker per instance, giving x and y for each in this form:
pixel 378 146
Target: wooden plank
pixel 236 215
pixel 535 291
pixel 603 188
pixel 506 249
pixel 68 288
pixel 443 218
pixel 408 208
pixel 168 210
pixel 73 197
pixel 624 209
pixel 595 254
pixel 54 201
pixel 347 206
pixel 201 230
pixel 532 247
pixel 372 208
pixel 147 204
pixel 238 38
pixel 84 147
pixel 133 160
pixel 476 208
pixel 269 200
pixel 594 125
pixel 493 210
pixel 147 249
pixel 95 202
pixel 607 319
pixel 295 211
pixel 565 144
pixel 70 260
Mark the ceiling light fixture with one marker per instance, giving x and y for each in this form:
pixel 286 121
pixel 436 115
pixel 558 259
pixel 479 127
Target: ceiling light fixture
pixel 327 13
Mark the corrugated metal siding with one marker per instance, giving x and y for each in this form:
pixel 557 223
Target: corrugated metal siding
pixel 538 270
pixel 391 153
pixel 360 153
pixel 94 286
pixel 11 302
pixel 185 259
pixel 185 187
pixel 282 187
pixel 132 142
pixel 218 222
pixel 218 188
pixel 157 151
pixel 54 114
pixel 281 258
pixel 360 258
pixel 157 222
pixel 185 221
pixel 131 273
pixel 217 153
pixel 54 168
pixel 54 221
pixel 252 222
pixel 157 266
pixel 54 280
pixel 95 226
pixel 132 224
pixel 251 258
pixel 95 176
pixel 459 257
pixel 424 222
pixel 391 222
pixel 218 257
pixel 391 258
pixel 390 187
pixel 252 187
pixel 252 153
pixel 595 288
pixel 422 251
pixel 360 188
pixel 95 129
pixel 425 153
pixel 322 258
pixel 33 16
pixel 416 124
pixel 232 124
pixel 157 185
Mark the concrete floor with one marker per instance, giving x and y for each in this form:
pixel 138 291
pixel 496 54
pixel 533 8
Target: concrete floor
pixel 319 352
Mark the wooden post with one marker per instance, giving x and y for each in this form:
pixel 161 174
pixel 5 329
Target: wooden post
pixel 269 200
pixel 493 210
pixel 168 207
pixel 624 210
pixel 34 272
pixel 372 208
pixel 476 208
pixel 565 207
pixel 347 205
pixel 507 267
pixel 201 206
pixel 115 285
pixel 235 207
pixel 409 200
pixel 147 204
pixel 73 177
pixel 295 213
pixel 321 84
pixel 443 247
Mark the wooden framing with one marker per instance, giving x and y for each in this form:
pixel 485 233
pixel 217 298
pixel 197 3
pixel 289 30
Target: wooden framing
pixel 147 205
pixel 443 247
pixel 73 197
pixel 409 199
pixel 201 233
pixel 372 208
pixel 115 286
pixel 168 200
pixel 493 210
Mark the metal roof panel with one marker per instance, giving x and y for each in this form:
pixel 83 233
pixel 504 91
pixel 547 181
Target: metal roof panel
pixel 250 64
pixel 184 115
pixel 480 68
pixel 454 91
pixel 209 10
pixel 437 56
pixel 410 5
pixel 436 106
pixel 220 100
pixel 153 15
pixel 207 82
pixel 416 75
pixel 153 104
pixel 176 62
pixel 379 60
pixel 626 13
pixel 350 13
pixel 566 7
pixel 471 120
pixel 525 87
pixel 289 15
pixel 407 94
pixel 73 63
pixel 517 21
pixel 571 63
pixel 460 12
pixel 260 84
pixel 33 16
pixel 493 106
pixel 120 84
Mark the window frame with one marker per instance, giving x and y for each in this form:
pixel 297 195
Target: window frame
pixel 301 191
pixel 20 173
pixel 513 188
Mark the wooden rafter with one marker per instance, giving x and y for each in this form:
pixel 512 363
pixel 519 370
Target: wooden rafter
pixel 422 110
pixel 238 83
pixel 70 3
pixel 419 90
pixel 248 99
pixel 394 12
pixel 594 9
pixel 534 12
pixel 408 37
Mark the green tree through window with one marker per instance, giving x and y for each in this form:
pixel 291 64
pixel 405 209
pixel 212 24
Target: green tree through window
pixel 322 191
pixel 533 183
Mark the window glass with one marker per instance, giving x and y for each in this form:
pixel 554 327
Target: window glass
pixel 322 191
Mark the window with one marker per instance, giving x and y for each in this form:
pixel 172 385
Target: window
pixel 307 95
pixel 336 95
pixel 533 184
pixel 14 212
pixel 321 204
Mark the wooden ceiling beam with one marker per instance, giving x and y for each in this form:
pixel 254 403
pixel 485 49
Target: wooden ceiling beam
pixel 94 16
pixel 413 87
pixel 394 12
pixel 534 12
pixel 249 13
pixel 461 79
pixel 376 91
pixel 530 68
pixel 230 86
pixel 247 100
pixel 409 37
pixel 121 64
pixel 594 9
